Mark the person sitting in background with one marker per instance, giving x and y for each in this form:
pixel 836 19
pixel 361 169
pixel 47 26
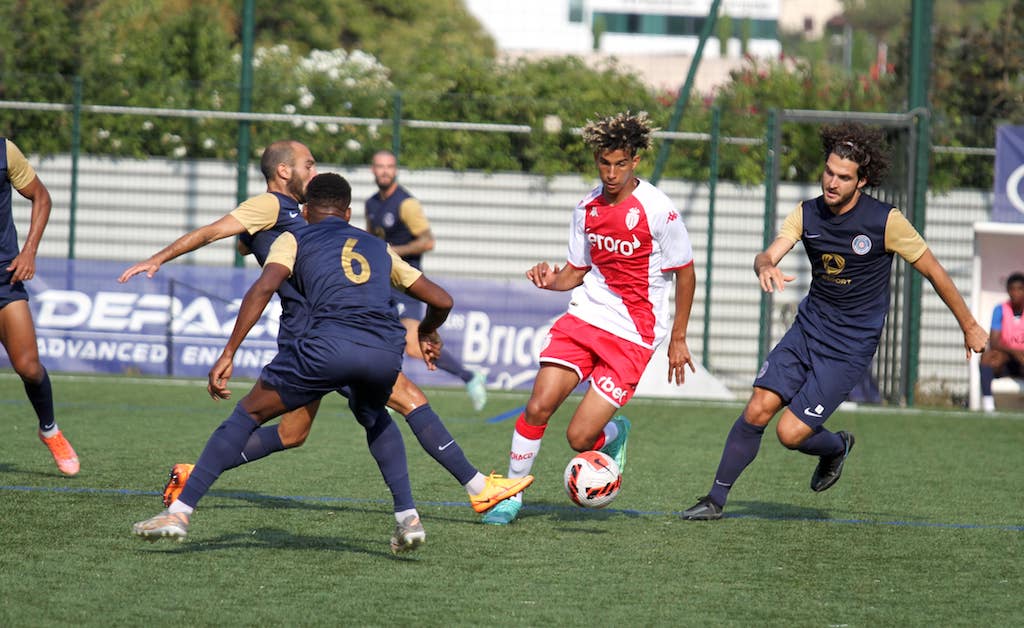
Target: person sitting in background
pixel 1005 353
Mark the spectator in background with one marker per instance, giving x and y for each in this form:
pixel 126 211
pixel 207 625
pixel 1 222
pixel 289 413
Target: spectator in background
pixel 1005 352
pixel 395 216
pixel 17 331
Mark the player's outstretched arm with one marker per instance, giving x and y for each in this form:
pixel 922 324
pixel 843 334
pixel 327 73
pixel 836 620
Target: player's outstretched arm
pixel 766 265
pixel 439 304
pixel 250 311
pixel 975 337
pixel 224 227
pixel 554 278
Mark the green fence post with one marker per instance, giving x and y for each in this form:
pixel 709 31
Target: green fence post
pixel 770 177
pixel 245 106
pixel 716 123
pixel 76 150
pixel 920 62
pixel 396 125
pixel 684 92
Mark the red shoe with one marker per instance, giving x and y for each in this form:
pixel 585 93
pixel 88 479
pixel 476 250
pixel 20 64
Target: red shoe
pixel 176 482
pixel 63 453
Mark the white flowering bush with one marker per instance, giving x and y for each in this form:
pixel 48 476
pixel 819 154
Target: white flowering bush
pixel 322 83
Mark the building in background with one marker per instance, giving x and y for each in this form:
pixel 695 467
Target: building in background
pixel 808 17
pixel 628 27
pixel 656 38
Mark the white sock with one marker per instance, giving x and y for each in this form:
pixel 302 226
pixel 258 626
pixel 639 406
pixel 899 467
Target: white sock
pixel 50 433
pixel 524 451
pixel 477 484
pixel 180 506
pixel 402 515
pixel 611 432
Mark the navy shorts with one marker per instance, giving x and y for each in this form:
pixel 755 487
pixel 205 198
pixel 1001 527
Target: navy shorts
pixel 810 382
pixel 409 306
pixel 9 293
pixel 307 369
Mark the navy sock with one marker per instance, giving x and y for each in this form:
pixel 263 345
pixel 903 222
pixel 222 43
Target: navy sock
pixel 41 397
pixel 823 443
pixel 740 450
pixel 439 443
pixel 221 450
pixel 388 449
pixel 447 362
pixel 263 442
pixel 987 375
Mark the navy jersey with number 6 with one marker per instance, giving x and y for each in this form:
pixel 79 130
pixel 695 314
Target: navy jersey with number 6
pixel 345 275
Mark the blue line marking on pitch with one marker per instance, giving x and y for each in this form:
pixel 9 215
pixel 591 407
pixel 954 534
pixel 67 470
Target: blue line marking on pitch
pixel 506 415
pixel 631 512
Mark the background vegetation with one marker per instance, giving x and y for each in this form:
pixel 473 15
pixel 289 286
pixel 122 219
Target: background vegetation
pixel 362 58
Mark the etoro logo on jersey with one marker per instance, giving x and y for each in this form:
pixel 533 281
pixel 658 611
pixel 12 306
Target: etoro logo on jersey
pixel 612 244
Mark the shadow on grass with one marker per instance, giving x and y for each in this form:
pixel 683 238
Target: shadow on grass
pixel 276 538
pixel 54 473
pixel 772 510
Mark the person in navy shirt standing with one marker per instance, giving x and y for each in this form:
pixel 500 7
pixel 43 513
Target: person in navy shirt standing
pixel 850 239
pixel 396 216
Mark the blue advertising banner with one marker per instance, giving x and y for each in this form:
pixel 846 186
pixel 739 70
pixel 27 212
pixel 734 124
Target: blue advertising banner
pixel 1008 200
pixel 176 323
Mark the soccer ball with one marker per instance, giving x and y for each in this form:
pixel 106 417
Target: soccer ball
pixel 592 479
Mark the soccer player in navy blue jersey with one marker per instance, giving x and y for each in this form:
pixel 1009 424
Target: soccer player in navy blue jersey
pixel 850 239
pixel 18 265
pixel 288 166
pixel 353 339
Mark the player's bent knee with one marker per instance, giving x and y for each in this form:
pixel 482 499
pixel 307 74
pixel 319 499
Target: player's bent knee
pixel 291 439
pixel 30 371
pixel 580 441
pixel 792 436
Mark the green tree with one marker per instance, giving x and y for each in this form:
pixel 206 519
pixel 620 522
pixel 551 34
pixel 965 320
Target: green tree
pixel 36 60
pixel 190 67
pixel 977 83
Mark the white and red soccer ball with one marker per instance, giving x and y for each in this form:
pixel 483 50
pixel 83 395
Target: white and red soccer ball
pixel 592 479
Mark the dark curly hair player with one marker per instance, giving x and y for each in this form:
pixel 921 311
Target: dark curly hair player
pixel 628 250
pixel 850 239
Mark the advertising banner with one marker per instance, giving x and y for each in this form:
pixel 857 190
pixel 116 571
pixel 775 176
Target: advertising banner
pixel 1008 195
pixel 176 323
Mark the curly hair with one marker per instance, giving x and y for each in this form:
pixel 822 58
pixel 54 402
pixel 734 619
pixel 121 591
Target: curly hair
pixel 623 131
pixel 865 145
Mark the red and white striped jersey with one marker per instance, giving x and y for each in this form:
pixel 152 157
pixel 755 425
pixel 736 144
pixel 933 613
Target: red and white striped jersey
pixel 631 249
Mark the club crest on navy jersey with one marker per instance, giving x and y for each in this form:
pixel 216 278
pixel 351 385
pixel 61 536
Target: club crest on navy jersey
pixel 861 244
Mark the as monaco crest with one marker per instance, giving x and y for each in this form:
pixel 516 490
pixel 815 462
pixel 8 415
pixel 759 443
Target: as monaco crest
pixel 632 218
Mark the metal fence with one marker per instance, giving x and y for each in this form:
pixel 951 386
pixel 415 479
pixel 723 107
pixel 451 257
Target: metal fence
pixel 495 225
